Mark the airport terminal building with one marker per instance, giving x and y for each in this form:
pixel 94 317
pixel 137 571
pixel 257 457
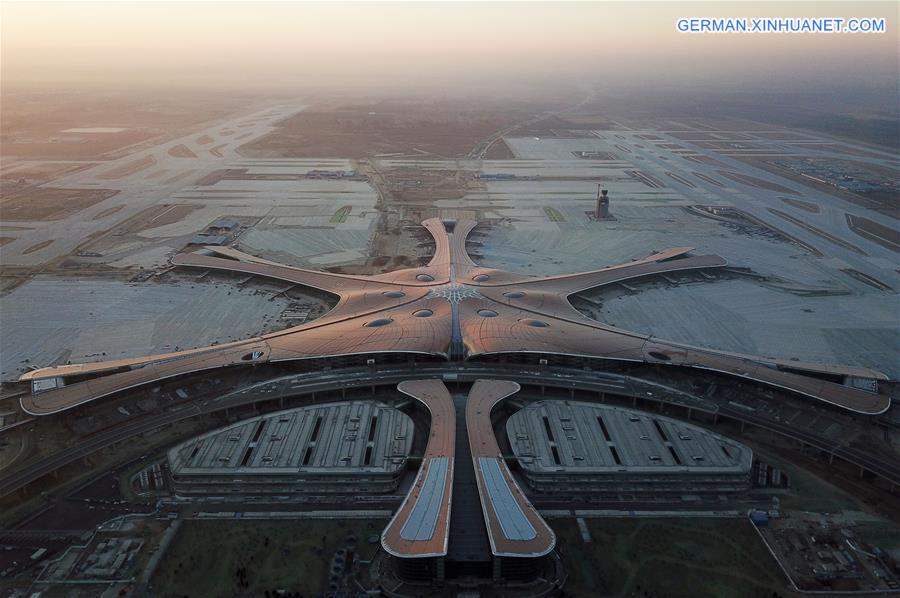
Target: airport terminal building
pixel 568 447
pixel 337 448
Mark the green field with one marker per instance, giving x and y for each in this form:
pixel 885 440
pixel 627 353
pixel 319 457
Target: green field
pixel 340 216
pixel 885 535
pixel 808 492
pixel 554 215
pixel 668 558
pixel 293 555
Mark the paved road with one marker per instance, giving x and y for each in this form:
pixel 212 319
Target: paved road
pixel 138 191
pixel 880 261
pixel 557 378
pixel 882 467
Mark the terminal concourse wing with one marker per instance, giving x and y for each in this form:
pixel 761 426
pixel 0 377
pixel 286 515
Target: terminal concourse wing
pixel 421 526
pixel 451 307
pixel 514 527
pixel 516 330
pixel 403 332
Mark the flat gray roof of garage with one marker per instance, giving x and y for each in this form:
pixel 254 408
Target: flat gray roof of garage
pixel 581 437
pixel 335 437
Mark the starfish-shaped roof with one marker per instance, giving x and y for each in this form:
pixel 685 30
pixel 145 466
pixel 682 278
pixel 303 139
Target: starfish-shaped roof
pixel 454 308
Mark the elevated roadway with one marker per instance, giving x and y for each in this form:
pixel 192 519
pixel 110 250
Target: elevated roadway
pixel 569 379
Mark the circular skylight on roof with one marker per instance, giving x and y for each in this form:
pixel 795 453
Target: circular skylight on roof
pixel 379 322
pixel 423 313
pixel 425 278
pixel 487 313
pixel 481 278
pixel 535 323
pixel 394 294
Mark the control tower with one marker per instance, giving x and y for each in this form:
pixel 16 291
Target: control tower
pixel 602 210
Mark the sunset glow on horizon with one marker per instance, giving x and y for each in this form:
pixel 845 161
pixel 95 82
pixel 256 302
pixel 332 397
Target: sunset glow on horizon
pixel 410 46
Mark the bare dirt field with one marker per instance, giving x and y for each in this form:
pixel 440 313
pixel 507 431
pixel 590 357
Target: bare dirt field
pixel 588 121
pixel 782 135
pixel 677 558
pixel 708 179
pixel 108 212
pixel 45 203
pixel 817 231
pixel 159 215
pixel 557 126
pixel 128 168
pixel 808 206
pixel 701 136
pixel 178 177
pixel 874 231
pixel 426 186
pixel 38 246
pixel 732 146
pixel 156 174
pixel 295 555
pixel 884 204
pixel 751 181
pixel 383 128
pixel 71 146
pixel 36 173
pixel 181 151
pixel 34 121
pixel 214 177
pixel 849 150
pixel 499 151
pixel 701 159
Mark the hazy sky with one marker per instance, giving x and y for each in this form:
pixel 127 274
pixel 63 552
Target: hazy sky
pixel 313 46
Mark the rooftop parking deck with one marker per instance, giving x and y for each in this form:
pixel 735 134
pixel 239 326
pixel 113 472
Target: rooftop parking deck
pixel 362 436
pixel 575 437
